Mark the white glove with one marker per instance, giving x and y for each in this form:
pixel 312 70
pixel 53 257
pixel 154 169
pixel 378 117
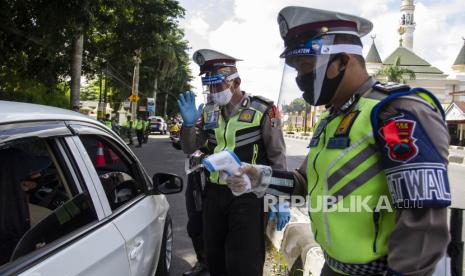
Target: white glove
pixel 256 174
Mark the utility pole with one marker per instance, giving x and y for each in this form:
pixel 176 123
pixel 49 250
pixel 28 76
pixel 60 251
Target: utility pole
pixel 135 85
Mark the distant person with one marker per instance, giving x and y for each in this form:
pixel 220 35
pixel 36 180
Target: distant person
pixel 140 128
pixel 129 129
pixel 107 121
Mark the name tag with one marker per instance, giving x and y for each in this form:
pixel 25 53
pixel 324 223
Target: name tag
pixel 211 120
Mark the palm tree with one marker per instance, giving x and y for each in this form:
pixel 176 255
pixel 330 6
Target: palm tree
pixel 395 72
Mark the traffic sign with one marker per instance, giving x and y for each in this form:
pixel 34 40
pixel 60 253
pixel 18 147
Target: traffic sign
pixel 133 98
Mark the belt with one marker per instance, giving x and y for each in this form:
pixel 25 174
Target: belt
pixel 377 267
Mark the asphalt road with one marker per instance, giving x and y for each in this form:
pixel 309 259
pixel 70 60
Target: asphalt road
pixel 159 156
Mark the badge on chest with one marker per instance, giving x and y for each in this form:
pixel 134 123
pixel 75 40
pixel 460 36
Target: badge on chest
pixel 247 116
pixel 341 136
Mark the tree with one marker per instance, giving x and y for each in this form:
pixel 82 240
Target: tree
pixel 297 105
pixel 42 42
pixel 395 72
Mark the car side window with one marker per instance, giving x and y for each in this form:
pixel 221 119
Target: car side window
pixel 120 178
pixel 40 202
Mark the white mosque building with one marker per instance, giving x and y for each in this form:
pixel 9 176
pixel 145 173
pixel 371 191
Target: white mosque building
pixel 449 89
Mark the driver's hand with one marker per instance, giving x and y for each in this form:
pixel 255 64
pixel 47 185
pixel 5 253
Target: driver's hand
pixel 31 182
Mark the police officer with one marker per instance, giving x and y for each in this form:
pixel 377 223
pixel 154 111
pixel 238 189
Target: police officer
pixel 107 121
pixel 195 196
pixel 139 126
pixel 129 126
pixel 249 126
pixel 146 129
pixel 376 143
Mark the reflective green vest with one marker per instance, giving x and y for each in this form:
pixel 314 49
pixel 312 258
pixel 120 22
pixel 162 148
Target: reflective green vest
pixel 241 134
pixel 108 124
pixel 350 174
pixel 139 124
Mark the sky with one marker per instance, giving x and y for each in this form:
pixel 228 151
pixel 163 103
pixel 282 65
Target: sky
pixel 248 30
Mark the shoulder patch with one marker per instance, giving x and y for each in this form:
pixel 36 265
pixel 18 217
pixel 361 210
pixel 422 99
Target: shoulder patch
pixel 390 87
pixel 262 99
pixel 400 141
pixel 260 103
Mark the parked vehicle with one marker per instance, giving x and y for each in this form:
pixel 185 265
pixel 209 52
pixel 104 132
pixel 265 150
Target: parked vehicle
pixel 79 201
pixel 158 124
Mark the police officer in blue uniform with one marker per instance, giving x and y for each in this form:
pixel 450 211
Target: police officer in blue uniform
pixel 375 142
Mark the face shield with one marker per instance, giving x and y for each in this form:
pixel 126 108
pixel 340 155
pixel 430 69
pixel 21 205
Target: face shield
pixel 306 69
pixel 217 87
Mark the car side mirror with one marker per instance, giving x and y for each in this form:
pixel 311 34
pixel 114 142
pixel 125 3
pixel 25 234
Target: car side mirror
pixel 167 183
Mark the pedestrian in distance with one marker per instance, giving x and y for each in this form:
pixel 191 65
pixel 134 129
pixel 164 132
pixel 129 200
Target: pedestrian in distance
pixel 139 126
pixel 129 129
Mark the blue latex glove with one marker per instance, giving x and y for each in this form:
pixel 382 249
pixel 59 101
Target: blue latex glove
pixel 281 213
pixel 189 112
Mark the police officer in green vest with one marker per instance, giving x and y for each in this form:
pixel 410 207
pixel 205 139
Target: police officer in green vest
pixel 129 128
pixel 376 174
pixel 139 126
pixel 249 126
pixel 107 121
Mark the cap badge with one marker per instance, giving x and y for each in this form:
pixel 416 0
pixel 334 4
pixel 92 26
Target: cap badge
pixel 324 29
pixel 283 27
pixel 315 46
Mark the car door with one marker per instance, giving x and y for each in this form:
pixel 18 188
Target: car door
pixel 121 180
pixel 71 235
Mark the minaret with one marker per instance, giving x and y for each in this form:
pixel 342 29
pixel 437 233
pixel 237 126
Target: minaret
pixel 373 61
pixel 407 22
pixel 459 64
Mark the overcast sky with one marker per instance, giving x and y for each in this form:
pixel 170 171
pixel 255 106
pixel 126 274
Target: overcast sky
pixel 247 29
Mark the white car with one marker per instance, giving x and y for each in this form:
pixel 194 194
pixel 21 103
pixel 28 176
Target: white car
pixel 158 124
pixel 75 200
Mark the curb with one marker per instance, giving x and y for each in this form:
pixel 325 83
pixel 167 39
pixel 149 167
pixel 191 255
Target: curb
pixel 298 137
pixel 457 147
pixel 457 159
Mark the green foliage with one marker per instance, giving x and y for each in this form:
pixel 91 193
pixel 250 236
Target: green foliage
pixel 36 38
pixel 297 105
pixel 395 72
pixel 91 91
pixel 32 92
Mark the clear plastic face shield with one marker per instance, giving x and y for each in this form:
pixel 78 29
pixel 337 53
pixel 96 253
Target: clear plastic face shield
pixel 217 86
pixel 306 70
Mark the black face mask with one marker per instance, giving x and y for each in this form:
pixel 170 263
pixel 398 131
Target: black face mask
pixel 306 84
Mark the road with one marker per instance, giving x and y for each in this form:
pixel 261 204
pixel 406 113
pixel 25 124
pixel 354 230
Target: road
pixel 159 156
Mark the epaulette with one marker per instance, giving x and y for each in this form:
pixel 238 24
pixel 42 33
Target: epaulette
pixel 260 103
pixel 390 87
